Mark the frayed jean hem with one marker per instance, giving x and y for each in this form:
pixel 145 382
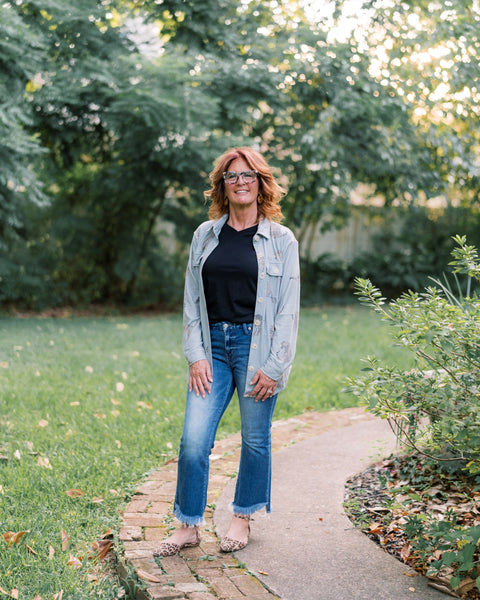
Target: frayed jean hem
pixel 247 511
pixel 188 521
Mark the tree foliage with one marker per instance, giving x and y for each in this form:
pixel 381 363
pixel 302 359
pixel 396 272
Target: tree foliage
pixel 116 109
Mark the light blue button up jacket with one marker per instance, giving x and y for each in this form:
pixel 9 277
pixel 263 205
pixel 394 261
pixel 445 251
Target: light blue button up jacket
pixel 275 324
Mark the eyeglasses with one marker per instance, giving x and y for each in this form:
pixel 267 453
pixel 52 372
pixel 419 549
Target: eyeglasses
pixel 231 177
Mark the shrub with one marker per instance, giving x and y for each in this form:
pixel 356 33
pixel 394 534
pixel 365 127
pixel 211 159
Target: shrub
pixel 435 407
pixel 323 279
pixel 412 245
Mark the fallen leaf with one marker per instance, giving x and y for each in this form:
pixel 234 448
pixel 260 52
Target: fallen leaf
pixel 51 551
pixel 65 540
pixel 465 586
pixel 147 577
pixel 17 454
pixel 98 500
pixel 75 493
pixel 2 591
pixel 406 551
pixel 44 462
pixel 4 365
pixel 101 549
pixel 115 401
pixel 58 596
pixel 142 404
pixel 89 369
pixel 42 423
pixel 74 403
pixel 107 533
pixel 74 562
pixel 115 413
pixel 13 538
pixel 262 573
pixel 14 594
pixel 119 444
pixel 376 528
pixel 38 597
pixel 411 589
pixel 410 574
pixel 32 551
pixel 119 387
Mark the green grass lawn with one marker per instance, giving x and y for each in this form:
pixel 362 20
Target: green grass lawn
pixel 93 404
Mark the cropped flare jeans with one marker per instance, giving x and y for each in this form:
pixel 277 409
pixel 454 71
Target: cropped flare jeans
pixel 230 352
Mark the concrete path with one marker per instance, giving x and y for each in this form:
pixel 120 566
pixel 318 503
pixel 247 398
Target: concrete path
pixel 307 549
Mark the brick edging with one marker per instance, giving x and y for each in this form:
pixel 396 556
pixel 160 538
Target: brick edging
pixel 203 573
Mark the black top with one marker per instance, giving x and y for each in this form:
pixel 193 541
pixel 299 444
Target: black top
pixel 230 277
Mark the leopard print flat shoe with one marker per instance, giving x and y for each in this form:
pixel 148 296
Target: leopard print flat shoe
pixel 230 545
pixel 167 548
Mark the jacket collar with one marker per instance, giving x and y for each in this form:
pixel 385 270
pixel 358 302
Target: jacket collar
pixel 263 226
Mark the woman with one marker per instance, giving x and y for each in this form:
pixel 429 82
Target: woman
pixel 241 307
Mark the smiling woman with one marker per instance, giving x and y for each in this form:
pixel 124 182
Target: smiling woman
pixel 242 292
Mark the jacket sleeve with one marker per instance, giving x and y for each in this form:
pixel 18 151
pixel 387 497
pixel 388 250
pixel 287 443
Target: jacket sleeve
pixel 284 335
pixel 193 347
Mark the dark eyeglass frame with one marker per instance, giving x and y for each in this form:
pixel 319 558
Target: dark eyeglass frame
pixel 249 173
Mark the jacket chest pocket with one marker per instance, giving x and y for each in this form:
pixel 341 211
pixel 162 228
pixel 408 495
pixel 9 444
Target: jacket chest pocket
pixel 274 273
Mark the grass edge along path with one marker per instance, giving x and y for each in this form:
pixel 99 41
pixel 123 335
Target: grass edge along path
pixel 202 573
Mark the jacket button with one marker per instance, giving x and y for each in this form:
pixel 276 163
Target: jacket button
pixel 262 275
pixel 260 299
pixel 250 368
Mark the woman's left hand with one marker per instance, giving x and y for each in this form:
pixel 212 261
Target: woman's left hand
pixel 264 386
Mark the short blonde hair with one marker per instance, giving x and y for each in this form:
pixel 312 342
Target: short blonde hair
pixel 269 191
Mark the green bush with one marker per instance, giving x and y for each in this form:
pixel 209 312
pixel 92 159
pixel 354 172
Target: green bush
pixel 435 407
pixel 414 245
pixel 323 279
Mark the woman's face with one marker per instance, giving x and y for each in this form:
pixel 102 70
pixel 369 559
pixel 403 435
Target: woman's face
pixel 241 194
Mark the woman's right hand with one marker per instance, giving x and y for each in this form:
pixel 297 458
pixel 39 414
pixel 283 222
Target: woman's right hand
pixel 200 377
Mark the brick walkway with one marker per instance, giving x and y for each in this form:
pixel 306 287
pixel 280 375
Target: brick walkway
pixel 203 573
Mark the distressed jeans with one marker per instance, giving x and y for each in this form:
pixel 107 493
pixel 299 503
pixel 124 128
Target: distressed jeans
pixel 230 352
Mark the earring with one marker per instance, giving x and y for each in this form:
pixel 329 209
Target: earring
pixel 225 201
pixel 260 198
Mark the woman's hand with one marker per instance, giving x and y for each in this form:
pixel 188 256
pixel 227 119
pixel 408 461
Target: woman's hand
pixel 264 386
pixel 200 377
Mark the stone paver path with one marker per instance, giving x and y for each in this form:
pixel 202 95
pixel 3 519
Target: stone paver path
pixel 204 573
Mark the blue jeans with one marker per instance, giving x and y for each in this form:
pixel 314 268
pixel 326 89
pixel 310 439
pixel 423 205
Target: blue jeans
pixel 230 350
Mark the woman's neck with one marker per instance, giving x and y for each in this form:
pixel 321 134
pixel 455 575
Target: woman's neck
pixel 240 220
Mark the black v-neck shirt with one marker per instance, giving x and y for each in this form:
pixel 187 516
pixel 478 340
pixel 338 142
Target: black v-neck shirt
pixel 230 277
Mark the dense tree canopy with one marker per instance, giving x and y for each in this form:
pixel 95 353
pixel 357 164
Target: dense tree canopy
pixel 112 112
